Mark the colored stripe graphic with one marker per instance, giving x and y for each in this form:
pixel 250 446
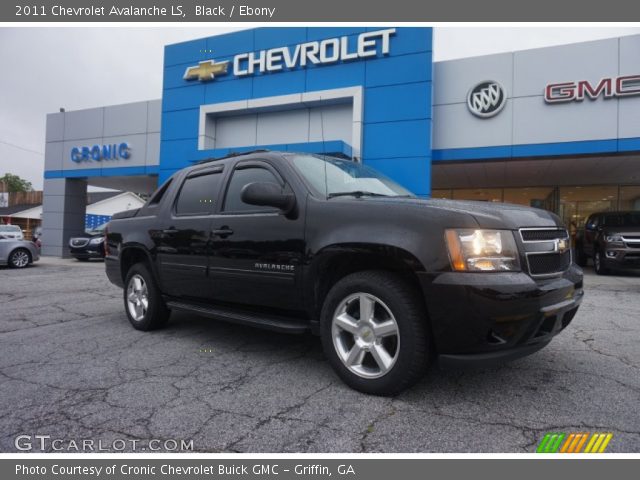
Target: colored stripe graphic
pixel 550 443
pixel 573 442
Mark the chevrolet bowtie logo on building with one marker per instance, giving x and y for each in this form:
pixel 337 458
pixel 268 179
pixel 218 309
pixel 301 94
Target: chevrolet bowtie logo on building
pixel 486 99
pixel 322 52
pixel 206 71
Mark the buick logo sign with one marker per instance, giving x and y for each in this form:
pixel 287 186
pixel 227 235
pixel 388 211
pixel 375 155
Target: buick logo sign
pixel 486 99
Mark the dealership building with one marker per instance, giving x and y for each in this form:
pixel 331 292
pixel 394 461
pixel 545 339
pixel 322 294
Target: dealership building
pixel 556 128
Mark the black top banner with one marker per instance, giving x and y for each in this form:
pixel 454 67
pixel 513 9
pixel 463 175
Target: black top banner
pixel 318 11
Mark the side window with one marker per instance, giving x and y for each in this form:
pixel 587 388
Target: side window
pixel 199 194
pixel 239 179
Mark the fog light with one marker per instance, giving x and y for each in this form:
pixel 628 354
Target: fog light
pixel 611 254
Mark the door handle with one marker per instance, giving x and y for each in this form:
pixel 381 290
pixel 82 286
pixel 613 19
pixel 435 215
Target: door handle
pixel 222 232
pixel 170 230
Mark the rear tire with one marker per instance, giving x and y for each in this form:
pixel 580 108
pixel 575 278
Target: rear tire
pixel 143 301
pixel 386 352
pixel 581 258
pixel 19 258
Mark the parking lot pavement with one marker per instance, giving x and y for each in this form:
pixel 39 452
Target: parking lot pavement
pixel 72 367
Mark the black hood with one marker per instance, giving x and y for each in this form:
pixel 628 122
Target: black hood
pixel 486 214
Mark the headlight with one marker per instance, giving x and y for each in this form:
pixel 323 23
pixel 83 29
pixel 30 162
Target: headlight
pixel 482 250
pixel 96 241
pixel 615 238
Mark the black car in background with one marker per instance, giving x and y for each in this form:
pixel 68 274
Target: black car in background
pixel 611 240
pixel 88 245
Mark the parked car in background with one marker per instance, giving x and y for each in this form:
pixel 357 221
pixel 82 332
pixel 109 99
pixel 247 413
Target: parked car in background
pixel 11 231
pixel 88 245
pixel 17 253
pixel 611 240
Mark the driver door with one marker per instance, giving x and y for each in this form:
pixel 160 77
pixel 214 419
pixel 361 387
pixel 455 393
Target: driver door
pixel 256 256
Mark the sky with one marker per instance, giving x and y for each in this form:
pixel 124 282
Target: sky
pixel 45 68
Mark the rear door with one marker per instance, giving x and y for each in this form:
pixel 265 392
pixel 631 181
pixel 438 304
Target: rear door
pixel 257 251
pixel 183 243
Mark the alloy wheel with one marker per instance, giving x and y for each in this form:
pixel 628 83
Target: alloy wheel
pixel 365 335
pixel 20 259
pixel 137 297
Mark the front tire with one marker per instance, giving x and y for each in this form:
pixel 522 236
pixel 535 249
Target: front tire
pixel 143 301
pixel 19 258
pixel 374 332
pixel 598 264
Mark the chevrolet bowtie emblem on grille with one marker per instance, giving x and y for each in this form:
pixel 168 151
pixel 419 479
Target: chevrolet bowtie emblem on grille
pixel 560 245
pixel 206 71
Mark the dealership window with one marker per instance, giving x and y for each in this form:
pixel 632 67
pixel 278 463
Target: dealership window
pixel 578 202
pixel 629 197
pixel 480 194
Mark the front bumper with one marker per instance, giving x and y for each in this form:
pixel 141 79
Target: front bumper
pixel 481 319
pixel 621 258
pixel 88 251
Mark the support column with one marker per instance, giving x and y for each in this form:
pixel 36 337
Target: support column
pixel 63 213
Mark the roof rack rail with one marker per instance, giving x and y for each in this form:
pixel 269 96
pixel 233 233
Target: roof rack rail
pixel 231 155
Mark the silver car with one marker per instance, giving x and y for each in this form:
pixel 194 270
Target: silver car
pixel 17 253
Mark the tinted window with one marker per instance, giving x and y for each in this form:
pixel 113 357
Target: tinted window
pixel 160 193
pixel 240 178
pixel 199 194
pixel 627 219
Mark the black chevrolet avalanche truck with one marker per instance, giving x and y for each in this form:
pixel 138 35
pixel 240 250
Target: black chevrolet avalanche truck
pixel 391 282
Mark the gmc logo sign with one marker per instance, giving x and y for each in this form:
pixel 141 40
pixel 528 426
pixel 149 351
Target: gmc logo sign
pixel 624 86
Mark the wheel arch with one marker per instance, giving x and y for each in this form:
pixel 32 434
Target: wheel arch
pixel 132 254
pixel 336 261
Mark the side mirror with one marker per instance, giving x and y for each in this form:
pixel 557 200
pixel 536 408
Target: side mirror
pixel 268 194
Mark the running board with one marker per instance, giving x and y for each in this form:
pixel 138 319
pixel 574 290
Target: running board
pixel 252 319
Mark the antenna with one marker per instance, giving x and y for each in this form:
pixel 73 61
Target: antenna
pixel 324 148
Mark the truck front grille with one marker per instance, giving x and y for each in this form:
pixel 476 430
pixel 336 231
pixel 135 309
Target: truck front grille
pixel 548 250
pixel 78 242
pixel 537 235
pixel 549 263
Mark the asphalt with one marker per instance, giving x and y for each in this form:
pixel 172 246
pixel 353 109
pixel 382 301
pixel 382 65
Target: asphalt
pixel 72 368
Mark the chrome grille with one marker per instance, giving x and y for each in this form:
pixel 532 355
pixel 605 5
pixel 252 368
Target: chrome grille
pixel 78 242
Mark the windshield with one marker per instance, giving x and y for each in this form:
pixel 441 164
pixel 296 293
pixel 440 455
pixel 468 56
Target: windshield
pixel 98 229
pixel 628 219
pixel 332 176
pixel 10 228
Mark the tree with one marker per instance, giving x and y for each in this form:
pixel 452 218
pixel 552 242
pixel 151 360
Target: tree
pixel 13 183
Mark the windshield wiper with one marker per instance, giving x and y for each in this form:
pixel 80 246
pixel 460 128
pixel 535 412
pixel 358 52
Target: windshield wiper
pixel 357 194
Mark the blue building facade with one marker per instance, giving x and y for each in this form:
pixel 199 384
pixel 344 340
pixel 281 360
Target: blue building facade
pixel 392 68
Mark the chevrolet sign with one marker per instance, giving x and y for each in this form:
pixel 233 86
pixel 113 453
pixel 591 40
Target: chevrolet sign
pixel 331 50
